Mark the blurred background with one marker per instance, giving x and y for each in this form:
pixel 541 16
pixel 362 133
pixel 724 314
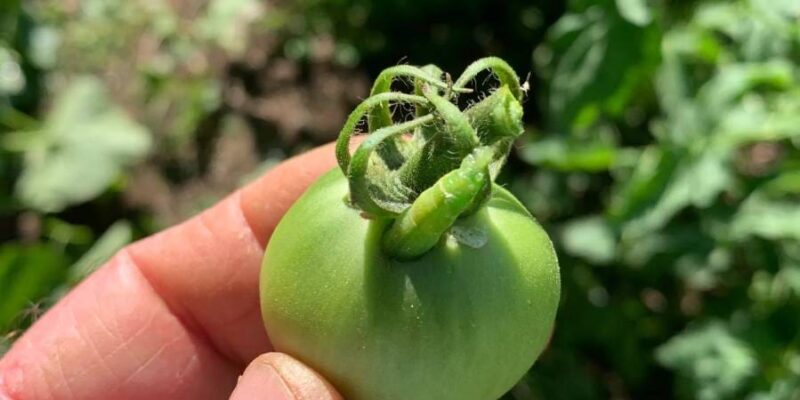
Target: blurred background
pixel 662 153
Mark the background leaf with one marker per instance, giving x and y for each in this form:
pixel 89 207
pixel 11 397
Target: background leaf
pixel 591 238
pixel 81 149
pixel 716 362
pixel 27 272
pixel 662 155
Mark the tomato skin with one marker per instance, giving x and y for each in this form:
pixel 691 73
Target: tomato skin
pixel 457 323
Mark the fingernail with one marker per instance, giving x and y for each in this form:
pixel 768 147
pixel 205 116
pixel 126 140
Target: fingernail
pixel 274 386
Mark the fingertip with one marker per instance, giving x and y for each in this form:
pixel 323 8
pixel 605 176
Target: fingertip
pixel 277 376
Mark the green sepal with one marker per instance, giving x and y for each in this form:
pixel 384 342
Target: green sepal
pixel 438 166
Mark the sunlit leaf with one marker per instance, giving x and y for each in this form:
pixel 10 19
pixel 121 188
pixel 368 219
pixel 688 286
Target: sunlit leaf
pixel 44 46
pixel 637 12
pixel 226 22
pixel 565 156
pixel 695 183
pixel 654 169
pixel 783 389
pixel 785 183
pixel 760 28
pixel 767 218
pixel 759 119
pixel 731 82
pixel 715 362
pixel 601 60
pixel 12 80
pixel 85 143
pixel 591 238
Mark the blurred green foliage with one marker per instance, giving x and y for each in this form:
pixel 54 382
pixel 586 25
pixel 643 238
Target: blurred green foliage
pixel 662 153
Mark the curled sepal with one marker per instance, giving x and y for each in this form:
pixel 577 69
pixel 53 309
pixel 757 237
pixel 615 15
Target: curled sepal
pixel 422 225
pixel 498 121
pixel 419 86
pixel 381 116
pixel 363 190
pixel 442 151
pixel 343 141
pixel 498 116
pixel 446 167
pixel 392 151
pixel 504 73
pixel 456 124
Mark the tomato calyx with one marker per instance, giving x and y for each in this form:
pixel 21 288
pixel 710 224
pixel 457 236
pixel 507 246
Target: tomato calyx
pixel 446 168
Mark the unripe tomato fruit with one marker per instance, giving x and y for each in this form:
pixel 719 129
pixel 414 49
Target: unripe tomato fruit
pixel 464 321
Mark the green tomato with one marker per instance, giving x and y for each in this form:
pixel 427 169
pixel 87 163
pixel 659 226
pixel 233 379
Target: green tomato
pixel 466 320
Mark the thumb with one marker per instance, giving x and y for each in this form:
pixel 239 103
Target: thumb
pixel 276 376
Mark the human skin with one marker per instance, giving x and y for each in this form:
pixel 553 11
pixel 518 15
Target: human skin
pixel 175 315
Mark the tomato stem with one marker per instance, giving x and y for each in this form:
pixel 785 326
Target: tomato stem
pixel 360 185
pixel 445 169
pixel 422 224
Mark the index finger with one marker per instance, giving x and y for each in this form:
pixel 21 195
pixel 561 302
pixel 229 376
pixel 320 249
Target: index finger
pixel 175 315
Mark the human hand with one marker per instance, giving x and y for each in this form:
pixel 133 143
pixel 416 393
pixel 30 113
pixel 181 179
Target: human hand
pixel 175 315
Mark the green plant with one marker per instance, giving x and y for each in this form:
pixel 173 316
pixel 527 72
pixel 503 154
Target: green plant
pixel 72 157
pixel 665 165
pixel 407 273
pixel 660 151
